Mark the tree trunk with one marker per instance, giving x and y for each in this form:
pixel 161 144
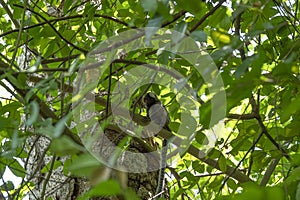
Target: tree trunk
pixel 54 184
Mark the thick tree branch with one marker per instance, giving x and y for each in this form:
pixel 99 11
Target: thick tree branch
pixel 269 172
pixel 47 113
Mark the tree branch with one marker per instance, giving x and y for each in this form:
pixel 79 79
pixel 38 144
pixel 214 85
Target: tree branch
pixel 256 105
pixel 11 16
pixel 269 172
pixel 241 117
pixel 46 112
pixel 54 29
pixel 176 17
pixel 207 15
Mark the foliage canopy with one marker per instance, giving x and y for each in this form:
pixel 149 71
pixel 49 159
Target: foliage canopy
pixel 255 45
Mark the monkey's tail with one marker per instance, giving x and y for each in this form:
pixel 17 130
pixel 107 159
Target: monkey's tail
pixel 161 175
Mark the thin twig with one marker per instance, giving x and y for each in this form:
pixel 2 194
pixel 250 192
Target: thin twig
pixel 54 29
pixel 46 181
pixel 9 13
pixel 108 92
pixel 206 16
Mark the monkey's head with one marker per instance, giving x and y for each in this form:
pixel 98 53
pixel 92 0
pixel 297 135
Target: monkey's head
pixel 156 111
pixel 150 99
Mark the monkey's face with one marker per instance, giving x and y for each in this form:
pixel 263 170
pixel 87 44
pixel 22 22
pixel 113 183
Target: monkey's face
pixel 150 99
pixel 155 110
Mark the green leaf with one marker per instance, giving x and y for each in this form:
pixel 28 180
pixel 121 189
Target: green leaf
pixel 4 123
pixel 153 25
pixel 232 184
pixel 200 36
pixel 60 126
pixel 188 175
pixel 17 13
pixel 181 28
pixel 64 146
pixel 221 19
pixel 188 124
pixel 290 109
pixel 198 167
pixel 164 10
pixel 34 113
pixel 222 163
pixel 214 154
pixel 45 32
pixel 9 185
pixel 17 169
pixel 149 5
pixel 124 13
pixel 260 193
pixel 107 188
pixel 130 195
pixel 83 165
pixel 205 114
pixel 220 38
pixel 293 177
pixel 216 182
pixel 50 49
pixel 178 193
pixel 45 127
pixel 22 79
pixel 181 83
pixel 201 138
pixel 15 82
pixel 192 6
pixel 67 5
pixel 298 192
pixel 163 57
